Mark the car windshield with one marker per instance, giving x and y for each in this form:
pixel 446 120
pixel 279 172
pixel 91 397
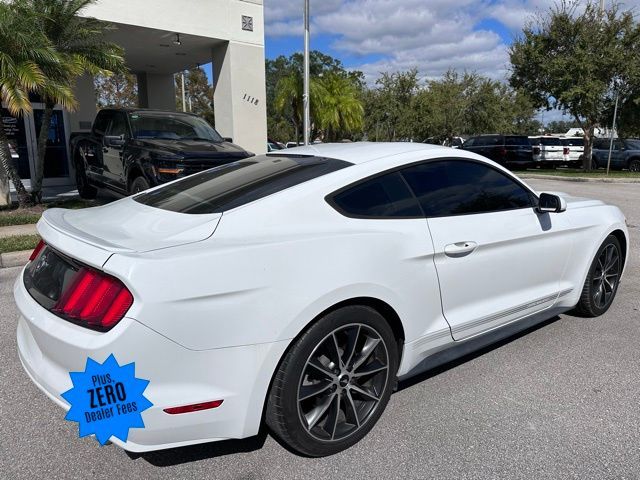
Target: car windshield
pixel 172 127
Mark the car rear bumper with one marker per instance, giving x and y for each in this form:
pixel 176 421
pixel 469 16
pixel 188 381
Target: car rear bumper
pixel 49 348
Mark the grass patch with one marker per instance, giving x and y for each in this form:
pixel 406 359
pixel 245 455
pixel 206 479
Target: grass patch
pixel 26 216
pixel 18 243
pixel 577 172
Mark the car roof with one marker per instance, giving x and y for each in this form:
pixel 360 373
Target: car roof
pixel 362 152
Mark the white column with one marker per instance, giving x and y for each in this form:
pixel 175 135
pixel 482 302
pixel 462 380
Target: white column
pixel 239 98
pixel 157 91
pixel 85 93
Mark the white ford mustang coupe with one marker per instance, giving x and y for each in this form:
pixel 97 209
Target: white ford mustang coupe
pixel 296 288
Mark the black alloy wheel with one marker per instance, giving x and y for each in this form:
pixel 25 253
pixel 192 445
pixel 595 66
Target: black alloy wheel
pixel 602 281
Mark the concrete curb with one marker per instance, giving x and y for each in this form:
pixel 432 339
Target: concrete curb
pixel 14 230
pixel 14 259
pixel 561 178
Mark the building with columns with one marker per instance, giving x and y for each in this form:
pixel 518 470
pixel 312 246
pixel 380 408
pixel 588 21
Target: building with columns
pixel 161 38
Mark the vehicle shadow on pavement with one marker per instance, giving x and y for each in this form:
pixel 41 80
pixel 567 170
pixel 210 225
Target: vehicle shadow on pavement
pixel 203 451
pixel 451 358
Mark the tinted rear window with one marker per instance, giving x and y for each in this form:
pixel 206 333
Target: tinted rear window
pixel 517 141
pixel 238 183
pixel 574 142
pixel 386 196
pixel 551 141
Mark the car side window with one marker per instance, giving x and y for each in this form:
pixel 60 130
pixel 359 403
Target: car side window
pixel 469 143
pixel 118 125
pixel 460 187
pixel 101 122
pixel 385 196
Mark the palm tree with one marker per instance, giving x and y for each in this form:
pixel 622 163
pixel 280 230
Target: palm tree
pixel 24 52
pixel 81 46
pixel 289 98
pixel 341 111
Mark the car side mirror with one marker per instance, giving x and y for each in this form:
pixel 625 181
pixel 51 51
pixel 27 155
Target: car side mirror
pixel 227 139
pixel 549 203
pixel 113 140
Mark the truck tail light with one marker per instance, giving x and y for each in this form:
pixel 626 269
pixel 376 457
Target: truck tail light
pixel 565 150
pixel 94 300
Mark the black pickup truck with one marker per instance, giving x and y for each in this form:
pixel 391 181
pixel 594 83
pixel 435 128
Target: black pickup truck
pixel 130 150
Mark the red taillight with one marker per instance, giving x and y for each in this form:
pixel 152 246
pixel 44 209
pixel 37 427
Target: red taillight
pixel 565 150
pixel 94 300
pixel 37 250
pixel 196 407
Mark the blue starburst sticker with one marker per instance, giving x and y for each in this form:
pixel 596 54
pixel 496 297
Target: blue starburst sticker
pixel 107 399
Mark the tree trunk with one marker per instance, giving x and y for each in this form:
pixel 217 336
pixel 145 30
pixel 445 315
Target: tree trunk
pixel 36 188
pixel 6 165
pixel 588 147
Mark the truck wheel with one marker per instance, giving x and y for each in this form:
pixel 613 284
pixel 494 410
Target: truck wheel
pixel 634 165
pixel 85 190
pixel 139 184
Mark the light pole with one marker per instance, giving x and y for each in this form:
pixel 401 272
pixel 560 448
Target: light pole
pixel 305 95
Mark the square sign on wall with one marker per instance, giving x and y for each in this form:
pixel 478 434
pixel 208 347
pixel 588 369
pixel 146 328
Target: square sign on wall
pixel 247 23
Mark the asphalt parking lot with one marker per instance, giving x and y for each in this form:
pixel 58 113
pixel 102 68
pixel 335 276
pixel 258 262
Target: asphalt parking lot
pixel 559 400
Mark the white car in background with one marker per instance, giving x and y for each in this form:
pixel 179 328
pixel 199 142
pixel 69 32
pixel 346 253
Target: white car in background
pixel 549 151
pixel 576 149
pixel 298 287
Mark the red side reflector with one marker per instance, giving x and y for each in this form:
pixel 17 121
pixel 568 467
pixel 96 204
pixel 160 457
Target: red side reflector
pixel 196 407
pixel 37 250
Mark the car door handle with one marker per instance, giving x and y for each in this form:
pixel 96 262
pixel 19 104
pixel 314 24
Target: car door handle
pixel 460 249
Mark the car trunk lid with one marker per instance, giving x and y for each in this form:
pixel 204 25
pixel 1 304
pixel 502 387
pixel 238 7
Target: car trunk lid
pixel 94 234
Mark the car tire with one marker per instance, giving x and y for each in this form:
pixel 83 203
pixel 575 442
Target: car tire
pixel 85 189
pixel 334 382
pixel 138 184
pixel 634 165
pixel 602 281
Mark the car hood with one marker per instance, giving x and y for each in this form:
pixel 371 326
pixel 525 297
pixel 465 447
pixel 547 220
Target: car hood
pixel 125 226
pixel 196 148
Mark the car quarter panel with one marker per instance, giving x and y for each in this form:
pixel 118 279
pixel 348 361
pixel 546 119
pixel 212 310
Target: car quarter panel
pixel 268 272
pixel 592 221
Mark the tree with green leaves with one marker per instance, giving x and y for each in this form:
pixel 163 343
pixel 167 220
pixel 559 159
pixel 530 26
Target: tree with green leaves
pixel 80 44
pixel 284 91
pixel 198 94
pixel 117 90
pixel 25 54
pixel 340 112
pixel 578 60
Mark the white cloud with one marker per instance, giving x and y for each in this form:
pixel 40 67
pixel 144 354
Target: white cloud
pixel 431 35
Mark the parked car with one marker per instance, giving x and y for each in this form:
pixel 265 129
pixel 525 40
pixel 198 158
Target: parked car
pixel 549 151
pixel 576 149
pixel 455 142
pixel 130 150
pixel 625 154
pixel 272 146
pixel 511 151
pixel 292 144
pixel 298 288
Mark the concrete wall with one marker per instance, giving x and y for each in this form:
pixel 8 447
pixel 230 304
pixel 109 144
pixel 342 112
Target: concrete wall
pixel 240 95
pixel 209 18
pixel 83 117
